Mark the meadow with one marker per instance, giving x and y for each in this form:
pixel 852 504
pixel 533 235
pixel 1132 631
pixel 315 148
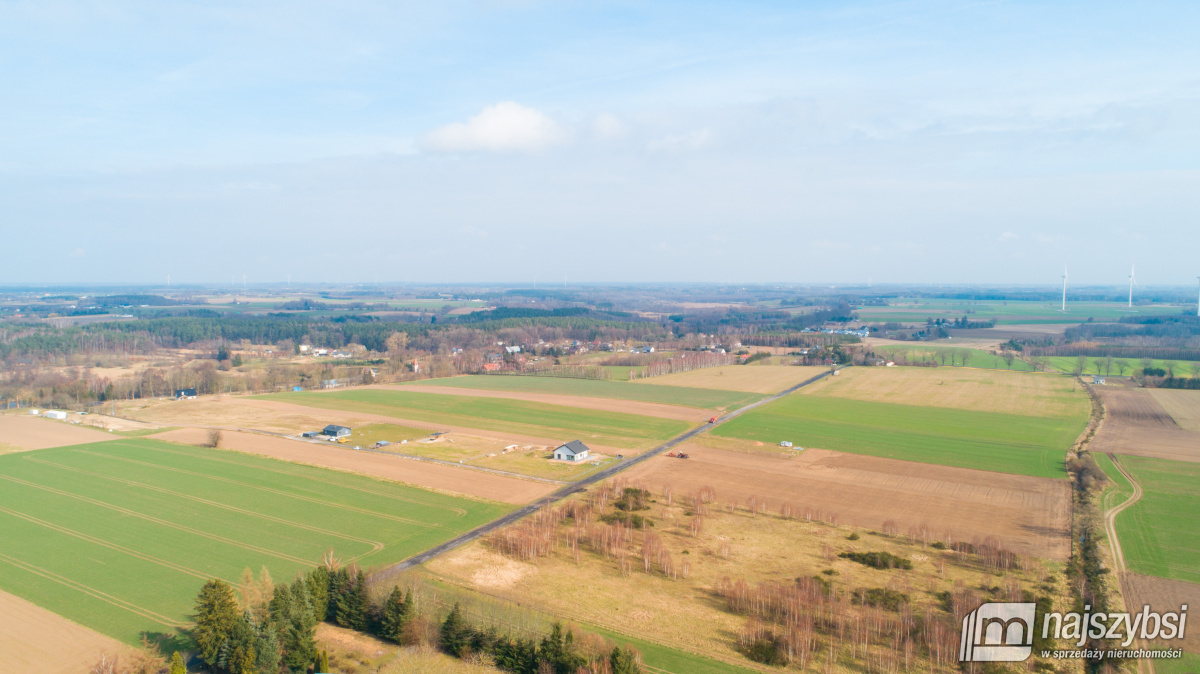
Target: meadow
pixel 557 422
pixel 618 390
pixel 1006 443
pixel 1006 312
pixel 1158 533
pixel 1101 366
pixel 954 356
pixel 118 535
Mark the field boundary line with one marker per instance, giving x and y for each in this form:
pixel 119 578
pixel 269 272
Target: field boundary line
pixel 580 486
pixel 156 520
pixel 375 545
pixel 110 545
pixel 279 492
pixel 91 591
pixel 460 512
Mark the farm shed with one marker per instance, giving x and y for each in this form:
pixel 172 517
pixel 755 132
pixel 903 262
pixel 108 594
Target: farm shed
pixel 572 451
pixel 335 431
pixel 55 414
pixel 185 394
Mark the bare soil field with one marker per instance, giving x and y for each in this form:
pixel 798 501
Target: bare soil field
pixel 1163 595
pixel 748 378
pixel 605 404
pixel 1029 515
pixel 1028 393
pixel 464 481
pixel 1135 423
pixel 33 639
pixel 29 432
pixel 1183 406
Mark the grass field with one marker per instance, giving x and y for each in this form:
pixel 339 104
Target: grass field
pixel 1158 533
pixel 118 536
pixel 761 379
pixel 954 356
pixel 1181 368
pixel 1006 312
pixel 618 390
pixel 368 435
pixel 1006 443
pixel 558 422
pixel 1038 395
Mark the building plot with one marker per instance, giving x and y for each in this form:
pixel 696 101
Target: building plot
pixel 686 396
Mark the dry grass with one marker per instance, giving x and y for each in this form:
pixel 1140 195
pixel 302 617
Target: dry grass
pixel 687 613
pixel 752 378
pixel 1027 393
pixel 30 432
pixel 1183 406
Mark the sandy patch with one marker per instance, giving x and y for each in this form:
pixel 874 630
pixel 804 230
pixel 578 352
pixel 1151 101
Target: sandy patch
pixel 33 639
pixel 748 378
pixel 30 432
pixel 1029 515
pixel 485 568
pixel 419 473
pixel 604 404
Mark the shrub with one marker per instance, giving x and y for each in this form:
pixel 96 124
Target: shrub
pixel 878 560
pixel 881 597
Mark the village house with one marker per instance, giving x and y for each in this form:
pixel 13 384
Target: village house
pixel 572 451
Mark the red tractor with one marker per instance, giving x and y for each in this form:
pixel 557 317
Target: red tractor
pixel 712 420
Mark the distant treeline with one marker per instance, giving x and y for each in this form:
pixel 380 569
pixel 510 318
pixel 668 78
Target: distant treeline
pixel 1114 351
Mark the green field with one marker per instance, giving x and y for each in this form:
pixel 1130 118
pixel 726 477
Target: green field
pixel 955 356
pixel 1181 368
pixel 1006 312
pixel 120 535
pixel 593 388
pixel 1158 533
pixel 556 422
pixel 1005 443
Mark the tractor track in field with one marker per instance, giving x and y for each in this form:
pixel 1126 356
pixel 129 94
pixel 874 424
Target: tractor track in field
pixel 578 486
pixel 1144 665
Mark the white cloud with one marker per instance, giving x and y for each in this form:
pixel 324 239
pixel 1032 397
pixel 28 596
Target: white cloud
pixel 607 126
pixel 503 127
pixel 690 141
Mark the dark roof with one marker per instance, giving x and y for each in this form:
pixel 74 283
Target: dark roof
pixel 334 428
pixel 185 392
pixel 575 447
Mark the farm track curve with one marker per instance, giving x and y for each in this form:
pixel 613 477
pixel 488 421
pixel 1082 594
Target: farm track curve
pixel 1110 528
pixel 579 486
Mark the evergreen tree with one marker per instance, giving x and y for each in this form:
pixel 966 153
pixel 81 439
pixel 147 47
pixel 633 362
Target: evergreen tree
pixel 318 587
pixel 456 633
pixel 321 666
pixel 177 666
pixel 216 617
pixel 396 611
pixel 624 661
pixel 299 629
pixel 237 653
pixel 266 649
pixel 558 650
pixel 517 656
pixel 352 606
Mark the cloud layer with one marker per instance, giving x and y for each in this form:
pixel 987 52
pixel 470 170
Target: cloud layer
pixel 503 127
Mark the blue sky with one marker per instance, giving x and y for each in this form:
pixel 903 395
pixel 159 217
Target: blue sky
pixel 498 141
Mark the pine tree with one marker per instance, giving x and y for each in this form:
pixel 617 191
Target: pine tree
pixel 216 617
pixel 396 611
pixel 318 586
pixel 177 666
pixel 321 666
pixel 352 604
pixel 299 630
pixel 266 649
pixel 624 661
pixel 456 633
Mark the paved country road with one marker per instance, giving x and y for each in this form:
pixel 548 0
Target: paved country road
pixel 575 487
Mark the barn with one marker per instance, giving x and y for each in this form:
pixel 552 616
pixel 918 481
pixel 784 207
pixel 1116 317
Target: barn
pixel 572 451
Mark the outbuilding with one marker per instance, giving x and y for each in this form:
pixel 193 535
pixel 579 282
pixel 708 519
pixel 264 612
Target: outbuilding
pixel 335 431
pixel 572 451
pixel 185 394
pixel 55 414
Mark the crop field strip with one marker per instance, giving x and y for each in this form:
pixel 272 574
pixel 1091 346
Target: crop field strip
pixel 121 540
pixel 618 390
pixel 1158 533
pixel 560 422
pixel 1006 443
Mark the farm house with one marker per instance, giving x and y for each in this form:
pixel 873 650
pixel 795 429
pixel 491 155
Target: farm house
pixel 185 394
pixel 335 431
pixel 572 451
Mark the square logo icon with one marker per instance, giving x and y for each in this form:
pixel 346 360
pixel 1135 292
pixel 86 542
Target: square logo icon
pixel 998 632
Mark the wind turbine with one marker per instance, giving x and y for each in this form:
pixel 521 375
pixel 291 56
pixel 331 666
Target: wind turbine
pixel 1064 302
pixel 1131 283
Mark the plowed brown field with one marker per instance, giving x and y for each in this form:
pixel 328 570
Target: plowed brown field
pixel 29 432
pixel 1136 424
pixel 1183 406
pixel 464 481
pixel 1029 515
pixel 1163 595
pixel 33 639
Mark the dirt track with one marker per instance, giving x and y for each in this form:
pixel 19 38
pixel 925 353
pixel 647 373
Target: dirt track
pixel 1136 424
pixel 33 639
pixel 1029 515
pixel 604 404
pixel 30 432
pixel 420 473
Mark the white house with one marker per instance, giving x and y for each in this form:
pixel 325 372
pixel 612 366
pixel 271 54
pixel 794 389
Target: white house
pixel 55 414
pixel 572 451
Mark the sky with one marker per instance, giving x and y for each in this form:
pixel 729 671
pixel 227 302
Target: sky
pixel 513 141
